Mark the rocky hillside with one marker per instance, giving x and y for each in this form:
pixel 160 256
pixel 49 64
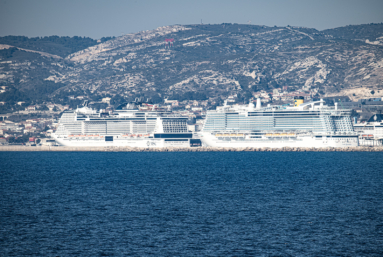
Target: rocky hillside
pixel 204 61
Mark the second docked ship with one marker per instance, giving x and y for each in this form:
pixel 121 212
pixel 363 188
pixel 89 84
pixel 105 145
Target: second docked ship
pixel 311 124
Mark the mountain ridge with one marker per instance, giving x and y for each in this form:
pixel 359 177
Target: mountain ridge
pixel 215 60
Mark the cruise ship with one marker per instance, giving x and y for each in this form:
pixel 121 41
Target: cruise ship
pixel 311 124
pixel 132 125
pixel 371 132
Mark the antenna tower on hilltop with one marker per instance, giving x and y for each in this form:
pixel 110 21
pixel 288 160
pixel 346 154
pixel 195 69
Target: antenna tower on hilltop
pixel 169 42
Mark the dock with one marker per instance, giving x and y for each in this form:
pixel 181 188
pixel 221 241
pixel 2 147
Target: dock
pixel 20 148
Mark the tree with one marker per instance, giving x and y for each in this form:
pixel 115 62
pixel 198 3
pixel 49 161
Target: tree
pixel 117 100
pixel 99 106
pixel 372 92
pixel 11 140
pixel 43 107
pixel 247 96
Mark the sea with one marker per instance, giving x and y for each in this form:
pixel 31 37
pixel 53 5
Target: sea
pixel 191 204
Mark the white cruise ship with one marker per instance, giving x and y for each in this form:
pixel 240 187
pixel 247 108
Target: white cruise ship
pixel 371 132
pixel 127 126
pixel 311 124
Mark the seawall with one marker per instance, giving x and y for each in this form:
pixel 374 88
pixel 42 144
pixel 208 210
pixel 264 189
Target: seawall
pixel 15 148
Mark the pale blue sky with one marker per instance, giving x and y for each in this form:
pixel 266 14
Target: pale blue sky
pixel 98 18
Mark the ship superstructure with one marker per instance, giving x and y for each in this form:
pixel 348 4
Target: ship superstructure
pixel 130 125
pixel 311 124
pixel 371 132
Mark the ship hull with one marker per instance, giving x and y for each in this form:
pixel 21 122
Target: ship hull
pixel 208 139
pixel 141 142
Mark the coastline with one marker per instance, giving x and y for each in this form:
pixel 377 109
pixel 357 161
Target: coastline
pixel 19 148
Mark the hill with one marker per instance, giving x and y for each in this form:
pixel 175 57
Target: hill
pixel 202 61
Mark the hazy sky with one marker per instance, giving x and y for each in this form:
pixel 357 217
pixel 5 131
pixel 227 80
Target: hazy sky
pixel 96 18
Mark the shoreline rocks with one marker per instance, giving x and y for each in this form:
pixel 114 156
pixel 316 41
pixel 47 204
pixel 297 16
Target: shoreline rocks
pixel 20 148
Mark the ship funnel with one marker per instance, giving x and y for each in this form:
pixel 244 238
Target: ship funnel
pixel 251 105
pixel 298 100
pixel 258 106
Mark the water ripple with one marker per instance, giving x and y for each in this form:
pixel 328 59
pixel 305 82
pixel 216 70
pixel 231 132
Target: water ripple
pixel 188 204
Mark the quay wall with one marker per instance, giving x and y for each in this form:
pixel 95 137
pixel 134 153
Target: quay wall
pixel 15 148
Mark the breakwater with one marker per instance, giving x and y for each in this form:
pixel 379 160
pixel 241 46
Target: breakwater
pixel 187 149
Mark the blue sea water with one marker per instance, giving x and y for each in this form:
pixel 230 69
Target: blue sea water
pixel 191 204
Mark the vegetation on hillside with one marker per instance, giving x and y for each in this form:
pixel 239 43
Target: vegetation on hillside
pixel 205 61
pixel 61 46
pixel 370 31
